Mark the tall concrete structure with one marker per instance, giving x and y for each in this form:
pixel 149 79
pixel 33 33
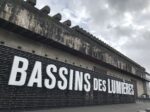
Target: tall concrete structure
pixel 46 63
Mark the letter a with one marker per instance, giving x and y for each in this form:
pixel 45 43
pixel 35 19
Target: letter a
pixel 36 75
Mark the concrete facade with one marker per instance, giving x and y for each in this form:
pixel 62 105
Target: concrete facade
pixel 28 29
pixel 16 41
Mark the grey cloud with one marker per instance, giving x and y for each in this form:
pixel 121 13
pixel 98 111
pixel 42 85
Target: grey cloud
pixel 141 42
pixel 128 5
pixel 142 19
pixel 123 31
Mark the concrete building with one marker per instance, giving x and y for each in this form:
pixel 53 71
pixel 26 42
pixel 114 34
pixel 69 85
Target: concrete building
pixel 29 32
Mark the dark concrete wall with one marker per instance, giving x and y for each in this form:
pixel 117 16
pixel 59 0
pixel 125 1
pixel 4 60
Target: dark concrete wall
pixel 23 98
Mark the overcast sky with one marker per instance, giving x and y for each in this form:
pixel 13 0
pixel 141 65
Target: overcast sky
pixel 123 24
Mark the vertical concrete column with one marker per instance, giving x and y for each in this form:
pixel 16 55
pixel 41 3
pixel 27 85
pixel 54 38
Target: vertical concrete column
pixel 145 87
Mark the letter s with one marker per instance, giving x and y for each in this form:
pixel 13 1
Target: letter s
pixel 50 84
pixel 62 85
pixel 87 86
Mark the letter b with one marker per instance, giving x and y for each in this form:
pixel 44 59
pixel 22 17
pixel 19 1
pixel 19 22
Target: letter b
pixel 15 70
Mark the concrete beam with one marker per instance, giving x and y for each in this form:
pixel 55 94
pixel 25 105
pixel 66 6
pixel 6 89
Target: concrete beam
pixel 32 2
pixel 46 10
pixel 67 23
pixel 57 17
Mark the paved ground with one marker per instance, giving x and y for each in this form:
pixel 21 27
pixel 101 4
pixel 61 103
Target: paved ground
pixel 108 108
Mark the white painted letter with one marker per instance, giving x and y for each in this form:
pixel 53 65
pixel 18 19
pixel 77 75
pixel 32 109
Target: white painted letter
pixel 21 70
pixel 78 81
pixel 50 84
pixel 109 86
pixel 87 86
pixel 71 80
pixel 63 84
pixel 36 75
pixel 95 84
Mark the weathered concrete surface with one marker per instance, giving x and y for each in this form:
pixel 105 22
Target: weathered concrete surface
pixel 107 108
pixel 26 16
